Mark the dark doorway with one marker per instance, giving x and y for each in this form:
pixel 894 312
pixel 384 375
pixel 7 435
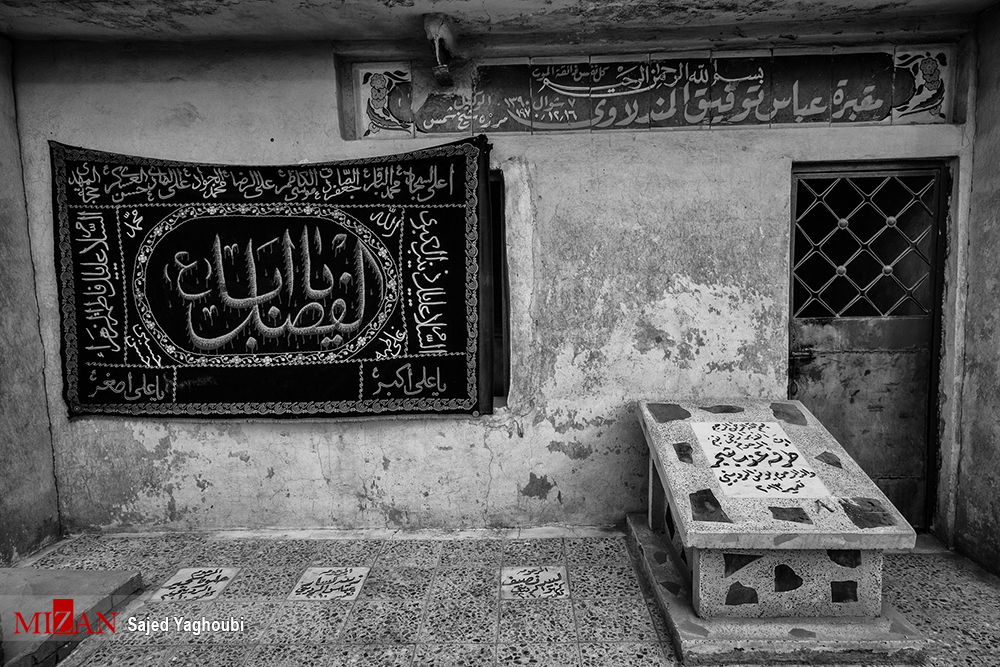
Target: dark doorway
pixel 867 248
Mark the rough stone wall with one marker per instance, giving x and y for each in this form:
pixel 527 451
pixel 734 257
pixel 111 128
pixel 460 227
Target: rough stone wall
pixel 977 519
pixel 642 266
pixel 28 511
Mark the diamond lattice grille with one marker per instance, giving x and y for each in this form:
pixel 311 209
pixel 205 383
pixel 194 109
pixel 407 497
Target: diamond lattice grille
pixel 862 246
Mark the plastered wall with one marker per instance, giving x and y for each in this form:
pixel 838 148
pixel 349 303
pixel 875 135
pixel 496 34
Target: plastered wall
pixel 28 512
pixel 642 265
pixel 977 527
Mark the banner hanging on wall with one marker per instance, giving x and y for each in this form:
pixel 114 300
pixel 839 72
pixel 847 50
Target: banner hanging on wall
pixel 348 288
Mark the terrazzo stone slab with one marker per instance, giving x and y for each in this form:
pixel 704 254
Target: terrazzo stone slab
pixel 526 583
pixel 757 584
pixel 196 583
pixel 887 639
pixel 744 474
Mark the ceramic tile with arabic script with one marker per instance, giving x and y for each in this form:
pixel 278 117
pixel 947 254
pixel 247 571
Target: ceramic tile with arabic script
pixel 501 99
pixel 196 583
pixel 862 87
pixel 528 583
pixel 620 95
pixel 681 92
pixel 330 583
pixel 741 91
pixel 801 88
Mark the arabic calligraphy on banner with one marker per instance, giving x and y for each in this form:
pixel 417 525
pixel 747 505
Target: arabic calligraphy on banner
pixel 762 88
pixel 757 460
pixel 345 288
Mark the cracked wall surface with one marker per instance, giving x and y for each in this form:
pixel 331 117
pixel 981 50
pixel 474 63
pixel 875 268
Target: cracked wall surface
pixel 28 512
pixel 642 266
pixel 977 528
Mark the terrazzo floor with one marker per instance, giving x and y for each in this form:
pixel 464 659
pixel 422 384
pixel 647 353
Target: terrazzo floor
pixel 544 597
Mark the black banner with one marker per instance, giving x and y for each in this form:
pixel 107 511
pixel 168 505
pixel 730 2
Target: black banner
pixel 348 288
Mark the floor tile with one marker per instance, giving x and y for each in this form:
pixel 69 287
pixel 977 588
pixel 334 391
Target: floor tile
pixel 646 654
pixel 533 552
pixel 383 622
pixel 226 553
pixel 195 583
pixel 255 616
pixel 414 553
pixel 292 655
pixel 347 553
pixel 463 621
pixel 397 582
pixel 285 553
pixel 472 552
pixel 548 620
pixel 329 583
pixel 538 655
pixel 590 550
pixel 454 655
pixel 659 620
pixel 216 656
pixel 157 612
pixel 605 580
pixel 614 620
pixel 373 656
pixel 263 582
pixel 113 654
pixel 468 581
pixel 524 583
pixel 307 622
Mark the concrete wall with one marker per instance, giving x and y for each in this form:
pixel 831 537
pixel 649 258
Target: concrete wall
pixel 28 510
pixel 977 525
pixel 642 265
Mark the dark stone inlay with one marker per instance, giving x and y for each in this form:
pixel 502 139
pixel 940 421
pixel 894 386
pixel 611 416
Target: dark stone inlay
pixel 796 514
pixel 683 450
pixel 830 459
pixel 785 579
pixel 705 507
pixel 660 557
pixel 736 562
pixel 788 413
pixel 693 628
pixel 845 557
pixel 740 594
pixel 844 591
pixel 684 556
pixel 784 537
pixel 667 412
pixel 722 409
pixel 802 633
pixel 668 520
pixel 672 586
pixel 866 512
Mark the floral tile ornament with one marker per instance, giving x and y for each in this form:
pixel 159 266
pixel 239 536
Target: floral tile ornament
pixel 330 583
pixel 528 583
pixel 196 583
pixel 923 86
pixel 384 101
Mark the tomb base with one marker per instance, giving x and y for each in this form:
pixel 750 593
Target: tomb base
pixel 885 639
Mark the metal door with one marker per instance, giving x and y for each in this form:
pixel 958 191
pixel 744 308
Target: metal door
pixel 867 244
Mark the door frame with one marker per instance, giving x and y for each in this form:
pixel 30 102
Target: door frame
pixel 942 275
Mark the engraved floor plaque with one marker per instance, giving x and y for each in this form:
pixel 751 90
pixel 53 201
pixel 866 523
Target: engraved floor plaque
pixel 330 583
pixel 530 583
pixel 195 583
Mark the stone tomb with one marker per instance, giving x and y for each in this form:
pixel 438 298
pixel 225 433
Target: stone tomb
pixel 767 519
